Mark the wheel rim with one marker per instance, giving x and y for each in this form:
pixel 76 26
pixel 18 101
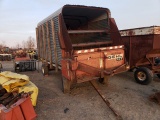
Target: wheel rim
pixel 141 76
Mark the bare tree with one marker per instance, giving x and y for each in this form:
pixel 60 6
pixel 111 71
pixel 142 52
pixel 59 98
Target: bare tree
pixel 2 44
pixel 24 44
pixel 17 46
pixel 30 43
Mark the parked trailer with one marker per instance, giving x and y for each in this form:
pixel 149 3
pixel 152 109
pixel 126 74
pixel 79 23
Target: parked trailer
pixel 24 64
pixel 143 51
pixel 5 57
pixel 81 41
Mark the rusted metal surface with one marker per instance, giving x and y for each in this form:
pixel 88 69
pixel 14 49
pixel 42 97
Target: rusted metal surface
pixel 139 42
pixel 101 94
pixel 150 61
pixel 141 31
pixel 97 18
pixel 115 35
pixel 92 44
pixel 86 31
pixel 17 106
pixel 102 58
pixel 92 71
pixel 94 63
pixel 153 53
pixel 64 36
pixel 97 49
pixel 156 43
pixel 22 59
pixel 82 43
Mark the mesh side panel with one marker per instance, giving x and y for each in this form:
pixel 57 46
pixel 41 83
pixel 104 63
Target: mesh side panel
pixel 51 37
pixel 46 43
pixel 51 41
pixel 56 26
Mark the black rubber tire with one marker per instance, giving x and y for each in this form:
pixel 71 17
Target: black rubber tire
pixel 158 76
pixel 44 69
pixel 143 75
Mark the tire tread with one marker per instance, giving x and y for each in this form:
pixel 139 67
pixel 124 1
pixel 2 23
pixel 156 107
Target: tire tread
pixel 148 73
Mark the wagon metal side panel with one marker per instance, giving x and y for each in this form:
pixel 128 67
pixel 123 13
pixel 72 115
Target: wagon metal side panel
pixel 48 42
pixel 108 59
pixel 137 47
pixel 126 42
pixel 58 49
pixel 140 46
pixel 139 41
pixel 54 40
pixel 114 58
pixel 156 43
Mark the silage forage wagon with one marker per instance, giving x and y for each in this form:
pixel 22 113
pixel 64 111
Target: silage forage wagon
pixel 82 42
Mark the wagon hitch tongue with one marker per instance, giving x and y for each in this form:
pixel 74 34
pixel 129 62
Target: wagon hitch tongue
pixel 94 84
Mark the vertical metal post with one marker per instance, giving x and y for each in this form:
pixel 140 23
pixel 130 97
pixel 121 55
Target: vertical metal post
pixel 130 50
pixel 41 42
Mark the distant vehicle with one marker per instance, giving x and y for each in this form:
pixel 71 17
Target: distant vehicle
pixel 22 62
pixel 5 57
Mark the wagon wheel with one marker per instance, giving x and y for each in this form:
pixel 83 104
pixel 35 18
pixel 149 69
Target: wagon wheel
pixel 143 75
pixel 66 84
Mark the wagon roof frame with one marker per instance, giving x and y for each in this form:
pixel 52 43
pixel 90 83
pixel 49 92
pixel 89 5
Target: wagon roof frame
pixel 60 10
pixel 151 30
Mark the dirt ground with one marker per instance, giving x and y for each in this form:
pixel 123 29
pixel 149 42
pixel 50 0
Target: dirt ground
pixel 128 98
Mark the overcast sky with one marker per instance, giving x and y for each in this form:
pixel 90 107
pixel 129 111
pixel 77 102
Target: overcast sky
pixel 19 18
